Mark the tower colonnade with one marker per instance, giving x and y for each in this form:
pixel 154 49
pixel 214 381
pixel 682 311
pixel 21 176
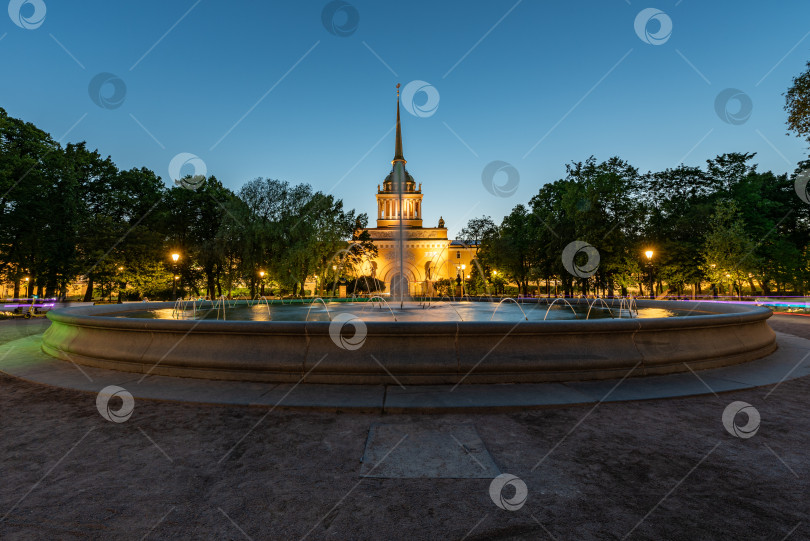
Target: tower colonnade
pixel 427 254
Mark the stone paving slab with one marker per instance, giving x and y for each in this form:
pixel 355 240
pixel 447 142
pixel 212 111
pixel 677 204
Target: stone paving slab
pixel 24 359
pixel 322 396
pixel 426 450
pixel 479 396
pixel 198 390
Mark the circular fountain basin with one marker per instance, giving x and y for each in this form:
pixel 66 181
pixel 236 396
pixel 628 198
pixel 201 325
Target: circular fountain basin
pixel 363 345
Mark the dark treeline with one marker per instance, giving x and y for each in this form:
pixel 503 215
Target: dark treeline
pixel 726 225
pixel 67 213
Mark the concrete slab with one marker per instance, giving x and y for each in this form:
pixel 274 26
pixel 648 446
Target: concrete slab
pixel 426 449
pixel 652 387
pixel 324 397
pixel 25 360
pixel 197 390
pixel 429 398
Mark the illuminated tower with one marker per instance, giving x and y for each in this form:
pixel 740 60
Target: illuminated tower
pixel 399 189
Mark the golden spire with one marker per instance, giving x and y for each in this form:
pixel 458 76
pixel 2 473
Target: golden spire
pixel 398 147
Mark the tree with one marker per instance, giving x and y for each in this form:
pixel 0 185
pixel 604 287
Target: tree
pixel 509 247
pixel 729 250
pixel 475 231
pixel 797 104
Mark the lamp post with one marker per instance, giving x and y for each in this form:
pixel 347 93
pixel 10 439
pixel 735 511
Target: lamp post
pixel 462 280
pixel 175 259
pixel 315 289
pixel 649 254
pixel 121 285
pixel 261 284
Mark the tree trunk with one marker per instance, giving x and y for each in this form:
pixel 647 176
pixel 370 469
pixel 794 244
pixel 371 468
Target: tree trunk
pixel 88 294
pixel 209 283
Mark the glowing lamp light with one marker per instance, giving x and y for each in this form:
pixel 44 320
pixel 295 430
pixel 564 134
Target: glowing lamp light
pixel 649 254
pixel 261 274
pixel 175 257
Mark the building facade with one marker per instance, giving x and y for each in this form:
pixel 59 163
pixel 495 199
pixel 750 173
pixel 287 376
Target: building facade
pixel 427 254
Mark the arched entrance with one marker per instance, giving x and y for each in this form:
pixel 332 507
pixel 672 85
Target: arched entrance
pixel 399 286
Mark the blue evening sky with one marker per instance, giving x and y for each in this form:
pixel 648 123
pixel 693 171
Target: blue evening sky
pixel 565 78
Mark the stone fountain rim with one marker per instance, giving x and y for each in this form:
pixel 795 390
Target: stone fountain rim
pixel 723 314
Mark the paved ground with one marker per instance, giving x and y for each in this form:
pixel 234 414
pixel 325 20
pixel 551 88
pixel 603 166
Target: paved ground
pixel 663 469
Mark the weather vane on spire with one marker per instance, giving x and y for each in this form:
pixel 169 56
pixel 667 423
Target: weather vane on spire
pixel 397 90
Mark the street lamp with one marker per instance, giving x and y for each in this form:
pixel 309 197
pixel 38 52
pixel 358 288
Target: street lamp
pixel 261 290
pixel 649 254
pixel 462 282
pixel 121 286
pixel 175 258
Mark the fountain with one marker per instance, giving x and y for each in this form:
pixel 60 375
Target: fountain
pixel 285 343
pixel 428 342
